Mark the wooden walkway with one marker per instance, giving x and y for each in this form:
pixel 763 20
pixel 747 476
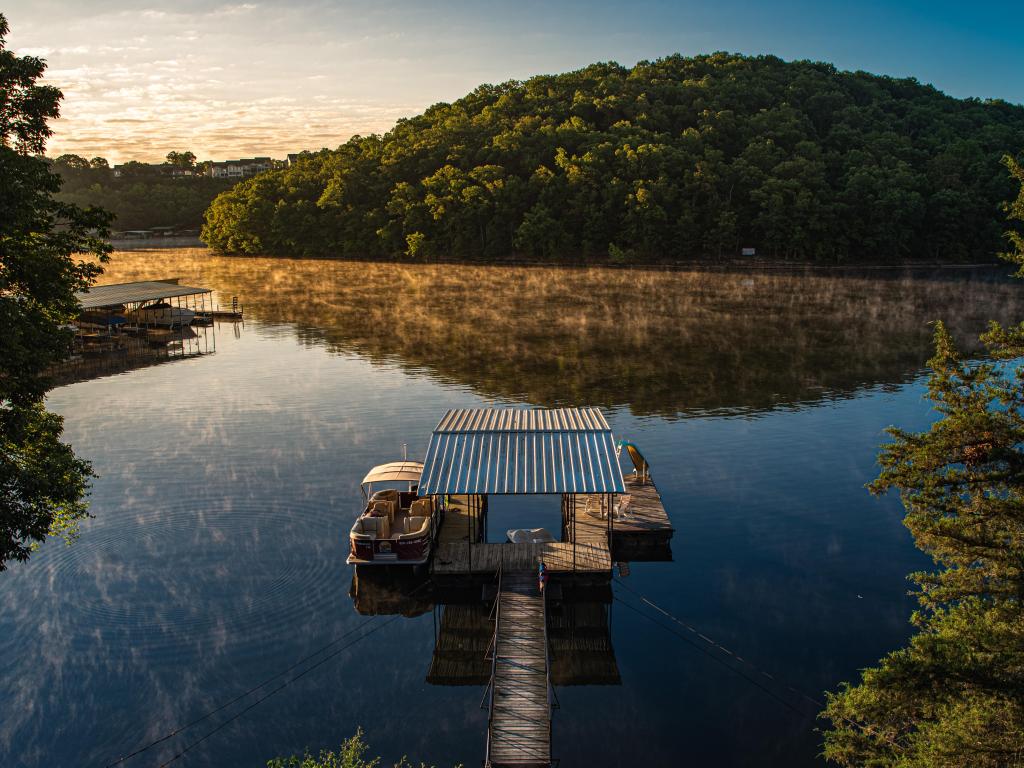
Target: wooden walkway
pixel 519 722
pixel 458 524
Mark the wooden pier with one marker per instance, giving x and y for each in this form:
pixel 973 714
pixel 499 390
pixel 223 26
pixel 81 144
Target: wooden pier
pixel 585 548
pixel 459 551
pixel 646 521
pixel 462 559
pixel 519 719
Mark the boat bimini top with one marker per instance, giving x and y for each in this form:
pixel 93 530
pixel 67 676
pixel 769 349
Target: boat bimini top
pixel 393 472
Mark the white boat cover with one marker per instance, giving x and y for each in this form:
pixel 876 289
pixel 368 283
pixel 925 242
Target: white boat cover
pixel 395 471
pixel 529 535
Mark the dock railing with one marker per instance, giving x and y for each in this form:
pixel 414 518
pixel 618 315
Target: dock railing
pixel 494 663
pixel 552 699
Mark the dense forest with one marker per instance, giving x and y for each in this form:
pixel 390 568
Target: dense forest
pixel 673 159
pixel 143 196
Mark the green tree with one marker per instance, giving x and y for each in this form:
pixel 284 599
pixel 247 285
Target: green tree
pixel 684 157
pixel 955 695
pixel 72 161
pixel 99 162
pixel 351 754
pixel 181 159
pixel 42 483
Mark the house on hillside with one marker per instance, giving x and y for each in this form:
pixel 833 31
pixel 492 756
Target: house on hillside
pixel 240 169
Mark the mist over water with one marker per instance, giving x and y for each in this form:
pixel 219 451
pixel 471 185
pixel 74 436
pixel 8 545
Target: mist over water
pixel 227 484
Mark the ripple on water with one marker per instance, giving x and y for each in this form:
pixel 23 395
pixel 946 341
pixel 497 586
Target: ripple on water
pixel 226 573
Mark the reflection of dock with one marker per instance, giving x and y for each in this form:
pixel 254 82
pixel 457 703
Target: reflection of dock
pixel 581 644
pixel 460 649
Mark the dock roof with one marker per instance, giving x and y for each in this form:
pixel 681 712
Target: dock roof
pixel 134 293
pixel 521 451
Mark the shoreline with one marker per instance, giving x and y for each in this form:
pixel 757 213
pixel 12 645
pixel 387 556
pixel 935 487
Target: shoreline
pixel 704 264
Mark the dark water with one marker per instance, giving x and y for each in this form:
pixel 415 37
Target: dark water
pixel 228 483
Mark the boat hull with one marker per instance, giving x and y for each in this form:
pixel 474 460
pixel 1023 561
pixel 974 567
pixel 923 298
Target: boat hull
pixel 389 551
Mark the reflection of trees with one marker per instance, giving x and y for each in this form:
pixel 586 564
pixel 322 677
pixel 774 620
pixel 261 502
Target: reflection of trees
pixel 662 342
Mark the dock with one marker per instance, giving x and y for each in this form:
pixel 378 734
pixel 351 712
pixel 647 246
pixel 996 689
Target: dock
pixel 460 552
pixel 519 718
pixel 646 522
pixel 585 548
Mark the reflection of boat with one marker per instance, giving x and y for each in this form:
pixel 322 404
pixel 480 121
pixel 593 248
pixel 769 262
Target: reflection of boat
pixel 390 592
pixel 396 526
pixel 162 313
pixel 529 535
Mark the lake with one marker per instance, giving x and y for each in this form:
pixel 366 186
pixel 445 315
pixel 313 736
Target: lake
pixel 228 482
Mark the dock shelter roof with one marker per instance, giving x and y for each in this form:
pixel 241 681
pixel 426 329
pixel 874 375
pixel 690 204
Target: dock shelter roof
pixel 521 451
pixel 134 293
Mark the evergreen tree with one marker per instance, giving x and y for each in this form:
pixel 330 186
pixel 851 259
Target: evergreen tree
pixel 955 695
pixel 42 482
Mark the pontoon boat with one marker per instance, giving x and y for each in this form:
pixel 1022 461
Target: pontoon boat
pixel 396 526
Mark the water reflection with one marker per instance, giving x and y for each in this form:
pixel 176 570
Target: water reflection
pixel 661 342
pixel 228 483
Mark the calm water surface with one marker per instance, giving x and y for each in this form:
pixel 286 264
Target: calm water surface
pixel 227 484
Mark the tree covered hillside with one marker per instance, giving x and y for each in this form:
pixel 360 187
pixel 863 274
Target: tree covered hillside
pixel 677 158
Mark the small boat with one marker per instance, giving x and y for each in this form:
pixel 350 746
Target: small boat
pixel 529 535
pixel 396 526
pixel 162 313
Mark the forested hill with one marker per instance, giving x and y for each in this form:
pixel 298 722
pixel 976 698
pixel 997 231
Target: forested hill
pixel 673 159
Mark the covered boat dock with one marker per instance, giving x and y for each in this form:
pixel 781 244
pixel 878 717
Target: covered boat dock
pixel 481 452
pixel 570 452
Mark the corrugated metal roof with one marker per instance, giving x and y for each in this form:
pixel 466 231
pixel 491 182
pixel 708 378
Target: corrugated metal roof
pixel 521 451
pixel 133 293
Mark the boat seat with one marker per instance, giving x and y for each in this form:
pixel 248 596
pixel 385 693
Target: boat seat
pixel 377 527
pixel 415 526
pixel 364 531
pixel 388 494
pixel 383 508
pixel 421 508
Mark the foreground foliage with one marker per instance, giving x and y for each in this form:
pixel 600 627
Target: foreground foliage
pixel 351 754
pixel 681 157
pixel 955 695
pixel 42 482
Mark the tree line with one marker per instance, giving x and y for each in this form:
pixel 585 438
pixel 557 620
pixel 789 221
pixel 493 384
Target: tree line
pixel 671 159
pixel 141 195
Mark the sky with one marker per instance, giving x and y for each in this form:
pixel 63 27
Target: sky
pixel 269 77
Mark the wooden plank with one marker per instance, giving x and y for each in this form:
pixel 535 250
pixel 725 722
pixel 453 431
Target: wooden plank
pixel 519 728
pixel 454 557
